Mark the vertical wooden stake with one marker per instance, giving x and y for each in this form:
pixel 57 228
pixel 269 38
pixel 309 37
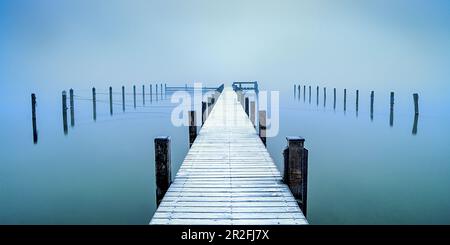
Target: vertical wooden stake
pixel 33 118
pixel 94 105
pixel 334 99
pixel 156 92
pixel 123 98
pixel 304 93
pixel 317 96
pixel 262 126
pixel 64 111
pixel 192 128
pixel 296 170
pixel 151 96
pixel 143 94
pixel 298 96
pixel 324 97
pixel 295 90
pixel 72 108
pixel 345 99
pixel 162 167
pixel 110 101
pixel 416 103
pixel 247 109
pixel 357 101
pixel 372 95
pixel 310 94
pixel 252 112
pixel 161 91
pixel 391 116
pixel 134 96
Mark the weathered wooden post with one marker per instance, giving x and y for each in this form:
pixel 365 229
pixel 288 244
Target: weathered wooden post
pixel 156 92
pixel 247 109
pixel 252 112
pixel 123 98
pixel 192 128
pixel 416 119
pixel 324 96
pixel 262 126
pixel 143 94
pixel 110 101
pixel 357 101
pixel 151 96
pixel 295 90
pixel 416 103
pixel 64 111
pixel 391 116
pixel 372 95
pixel 94 105
pixel 310 94
pixel 317 96
pixel 304 93
pixel 134 96
pixel 345 99
pixel 203 112
pixel 334 99
pixel 298 96
pixel 72 108
pixel 162 167
pixel 296 170
pixel 33 118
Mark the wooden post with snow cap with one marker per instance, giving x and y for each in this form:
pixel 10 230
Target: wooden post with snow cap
pixel 262 126
pixel 296 170
pixel 192 128
pixel 162 166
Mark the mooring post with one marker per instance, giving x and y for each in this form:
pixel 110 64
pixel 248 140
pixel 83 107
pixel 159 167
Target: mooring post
pixel 252 112
pixel 192 128
pixel 304 93
pixel 416 103
pixel 143 94
pixel 296 170
pixel 123 98
pixel 247 109
pixel 298 96
pixel 391 116
pixel 156 92
pixel 162 167
pixel 310 94
pixel 317 96
pixel 64 111
pixel 357 101
pixel 33 118
pixel 110 101
pixel 203 112
pixel 72 109
pixel 324 96
pixel 372 95
pixel 134 96
pixel 334 99
pixel 262 126
pixel 94 105
pixel 345 99
pixel 151 96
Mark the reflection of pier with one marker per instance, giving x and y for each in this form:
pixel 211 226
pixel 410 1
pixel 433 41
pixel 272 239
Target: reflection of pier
pixel 228 177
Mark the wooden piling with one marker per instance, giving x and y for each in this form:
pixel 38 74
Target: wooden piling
pixel 64 111
pixel 391 114
pixel 357 101
pixel 143 94
pixel 310 94
pixel 317 96
pixel 94 105
pixel 296 170
pixel 192 128
pixel 134 96
pixel 262 126
pixel 334 99
pixel 295 90
pixel 156 92
pixel 372 95
pixel 247 109
pixel 33 118
pixel 416 119
pixel 416 103
pixel 161 91
pixel 298 96
pixel 304 93
pixel 72 108
pixel 110 101
pixel 252 112
pixel 151 95
pixel 162 167
pixel 345 99
pixel 324 96
pixel 123 98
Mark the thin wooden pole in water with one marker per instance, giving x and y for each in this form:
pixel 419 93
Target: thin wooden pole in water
pixel 416 103
pixel 123 98
pixel 72 109
pixel 345 99
pixel 317 96
pixel 247 109
pixel 192 128
pixel 296 170
pixel 33 118
pixel 252 112
pixel 310 94
pixel 161 91
pixel 162 167
pixel 391 114
pixel 151 94
pixel 298 96
pixel 372 95
pixel 134 96
pixel 357 102
pixel 64 111
pixel 334 99
pixel 262 126
pixel 156 92
pixel 143 94
pixel 110 101
pixel 295 90
pixel 304 93
pixel 324 96
pixel 94 105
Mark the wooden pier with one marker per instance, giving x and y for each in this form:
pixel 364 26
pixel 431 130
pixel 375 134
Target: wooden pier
pixel 228 177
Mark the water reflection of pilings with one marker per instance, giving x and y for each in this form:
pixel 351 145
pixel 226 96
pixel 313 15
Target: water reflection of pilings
pixel 33 118
pixel 64 111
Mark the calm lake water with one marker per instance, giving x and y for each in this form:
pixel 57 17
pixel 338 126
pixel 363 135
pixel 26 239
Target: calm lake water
pixel 361 171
